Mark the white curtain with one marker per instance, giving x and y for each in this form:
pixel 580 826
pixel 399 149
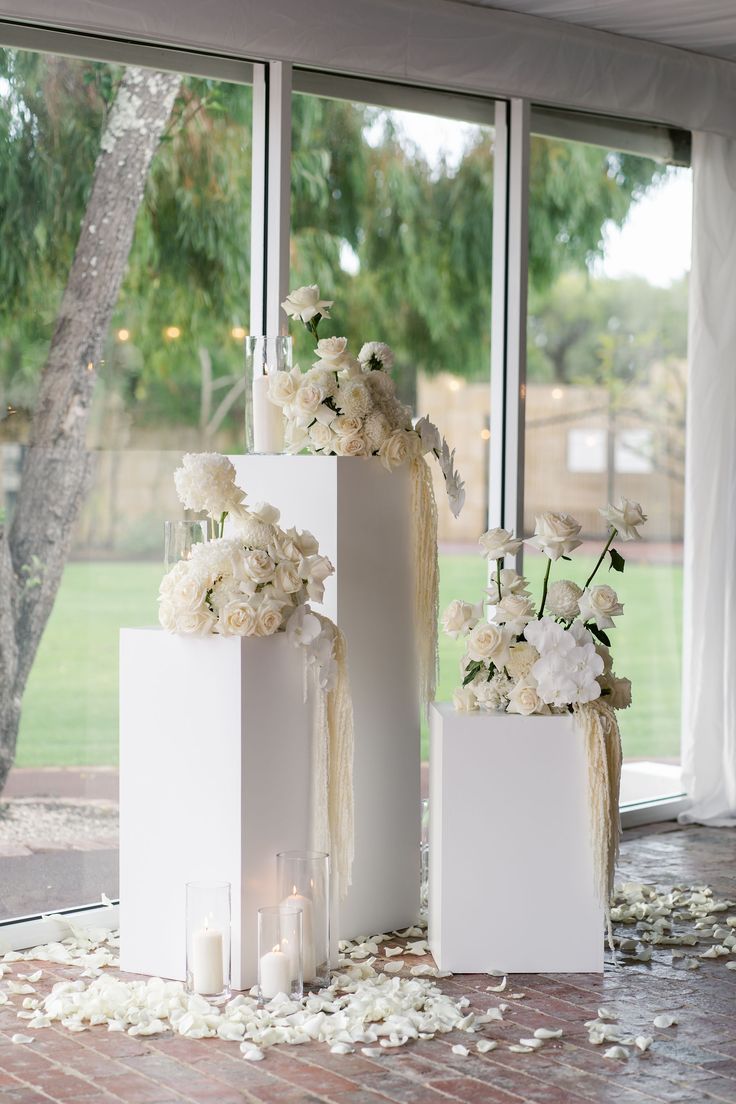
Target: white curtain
pixel 709 698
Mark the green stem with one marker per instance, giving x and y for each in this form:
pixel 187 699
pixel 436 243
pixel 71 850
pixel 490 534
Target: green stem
pixel 600 558
pixel 222 523
pixel 498 578
pixel 544 589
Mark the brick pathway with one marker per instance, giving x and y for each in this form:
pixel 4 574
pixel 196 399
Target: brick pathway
pixel 693 1062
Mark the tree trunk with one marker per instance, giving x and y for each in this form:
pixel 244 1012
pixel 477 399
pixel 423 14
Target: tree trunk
pixel 57 466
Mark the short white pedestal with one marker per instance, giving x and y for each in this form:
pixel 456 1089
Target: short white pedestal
pixel 360 514
pixel 510 860
pixel 214 780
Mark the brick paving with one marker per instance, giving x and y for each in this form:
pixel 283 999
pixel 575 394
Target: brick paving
pixel 687 1064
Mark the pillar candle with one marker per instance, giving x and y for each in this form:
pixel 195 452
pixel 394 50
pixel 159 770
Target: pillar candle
pixel 274 975
pixel 268 419
pixel 207 974
pixel 297 900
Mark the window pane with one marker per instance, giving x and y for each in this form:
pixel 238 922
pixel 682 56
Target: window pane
pixel 392 217
pixel 605 406
pixel 169 378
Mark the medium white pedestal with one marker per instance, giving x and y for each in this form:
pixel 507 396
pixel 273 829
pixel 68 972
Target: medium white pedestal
pixel 360 513
pixel 215 745
pixel 510 860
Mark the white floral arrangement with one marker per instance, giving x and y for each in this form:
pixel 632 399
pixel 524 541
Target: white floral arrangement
pixel 554 657
pixel 256 581
pixel 348 406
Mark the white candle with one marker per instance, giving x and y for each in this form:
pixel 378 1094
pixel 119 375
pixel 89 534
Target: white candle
pixel 207 974
pixel 268 419
pixel 297 900
pixel 275 974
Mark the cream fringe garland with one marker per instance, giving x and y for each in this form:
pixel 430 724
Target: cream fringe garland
pixel 332 766
pixel 426 576
pixel 599 726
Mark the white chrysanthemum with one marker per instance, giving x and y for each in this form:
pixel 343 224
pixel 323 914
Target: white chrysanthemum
pixel 250 530
pixel 378 352
pixel 493 694
pixel 206 482
pixel 522 657
pixel 354 399
pixel 562 599
pixel 376 429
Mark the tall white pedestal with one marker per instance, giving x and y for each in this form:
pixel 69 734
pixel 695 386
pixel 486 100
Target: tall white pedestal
pixel 215 745
pixel 511 883
pixel 360 514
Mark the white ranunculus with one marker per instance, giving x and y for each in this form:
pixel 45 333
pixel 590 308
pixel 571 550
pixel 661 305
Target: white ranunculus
pixel 206 481
pixel 305 303
pixel 332 350
pixel 259 566
pixel 525 699
pixel 600 604
pixel 626 518
pixel 352 445
pixel 377 351
pixel 464 700
pixel 283 386
pixel 556 534
pixel 460 617
pixel 237 618
pixel 489 642
pixel 515 612
pixel 522 657
pixel 497 543
pixel 562 599
pixel 398 448
pixel 322 437
pixel 353 398
pixel 511 583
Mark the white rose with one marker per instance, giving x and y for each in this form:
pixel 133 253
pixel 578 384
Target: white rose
pixel 562 599
pixel 619 690
pixel 522 657
pixel 188 622
pixel 305 303
pixel 316 567
pixel 511 583
pixel 353 398
pixel 525 700
pixel 625 518
pixel 268 618
pixel 515 612
pixel 324 378
pixel 305 541
pixel 489 642
pixel 283 386
pixel 237 618
pixel 259 566
pixel 600 604
pixel 321 436
pixel 308 400
pixel 226 591
pixel 188 593
pixel 332 349
pixel 287 578
pixel 379 352
pixel 353 445
pixel 460 617
pixel 497 543
pixel 556 534
pixel 465 700
pixel 398 448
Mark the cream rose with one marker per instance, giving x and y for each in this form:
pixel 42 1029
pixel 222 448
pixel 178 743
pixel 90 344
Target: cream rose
pixel 556 534
pixel 460 617
pixel 398 448
pixel 465 700
pixel 188 593
pixel 268 618
pixel 332 349
pixel 321 436
pixel 188 622
pixel 562 599
pixel 625 518
pixel 511 583
pixel 258 566
pixel 515 612
pixel 600 604
pixel 308 400
pixel 353 445
pixel 345 425
pixel 283 386
pixel 489 642
pixel 237 618
pixel 525 700
pixel 497 543
pixel 305 303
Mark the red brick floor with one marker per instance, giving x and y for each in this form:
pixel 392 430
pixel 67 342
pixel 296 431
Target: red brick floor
pixel 693 1062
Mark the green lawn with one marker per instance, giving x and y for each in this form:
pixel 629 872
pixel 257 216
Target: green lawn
pixel 70 706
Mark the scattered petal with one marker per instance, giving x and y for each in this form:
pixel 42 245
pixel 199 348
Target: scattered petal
pixel 532 1044
pixel 498 988
pixel 615 1052
pixel 666 1019
pixel 391 951
pixel 21 1039
pixel 251 1052
pixel 394 967
pixel 483 1046
pixel 521 1049
pixel 461 1050
pixel 342 1048
pixel 547 1033
pixel 606 1014
pixel 643 1042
